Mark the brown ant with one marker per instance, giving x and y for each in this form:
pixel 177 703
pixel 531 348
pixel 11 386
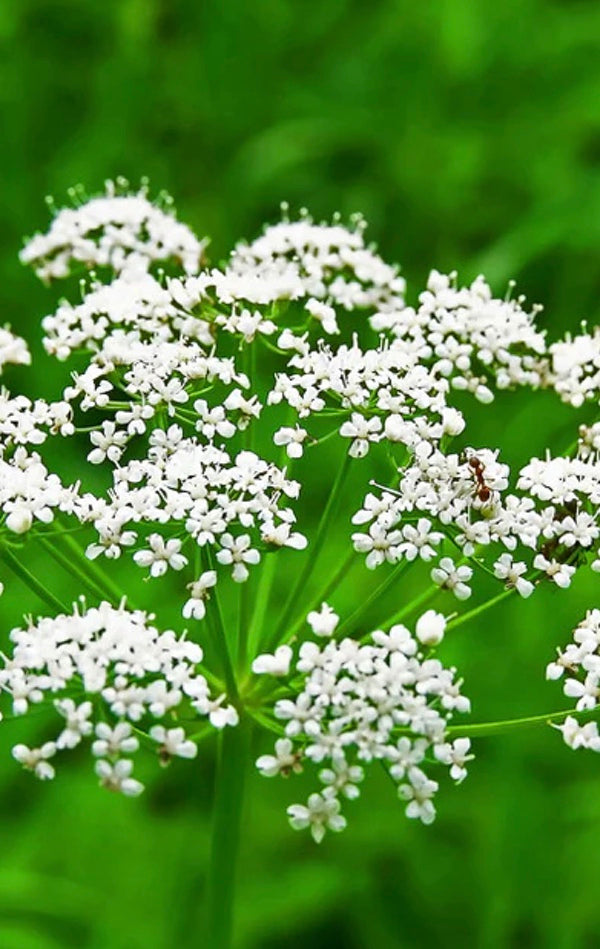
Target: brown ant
pixel 482 490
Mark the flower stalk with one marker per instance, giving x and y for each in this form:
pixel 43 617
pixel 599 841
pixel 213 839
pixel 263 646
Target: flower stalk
pixel 313 551
pixel 227 811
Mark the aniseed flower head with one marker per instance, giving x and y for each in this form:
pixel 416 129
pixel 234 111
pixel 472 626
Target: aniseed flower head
pixel 200 398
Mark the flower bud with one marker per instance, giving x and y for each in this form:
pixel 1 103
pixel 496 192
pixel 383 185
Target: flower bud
pixel 430 628
pixel 20 520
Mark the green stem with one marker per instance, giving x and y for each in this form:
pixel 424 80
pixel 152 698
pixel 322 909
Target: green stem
pixel 226 825
pixel 70 566
pixel 313 551
pixel 510 724
pixel 261 602
pixel 324 594
pixel 419 600
pixel 101 579
pixel 477 610
pixel 364 607
pixel 217 630
pixel 243 625
pixel 32 582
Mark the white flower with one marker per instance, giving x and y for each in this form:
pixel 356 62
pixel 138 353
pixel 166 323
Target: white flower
pixel 114 741
pixel 579 736
pixel 132 670
pixel 212 420
pixel 19 520
pixel 456 755
pixel 325 314
pixel 420 540
pixel 238 551
pixel 284 761
pixel 13 349
pixel 78 722
pixel 123 231
pixel 430 628
pixel 160 556
pixel 293 439
pixel 405 755
pixel 194 607
pixel 320 814
pixel 512 574
pixel 453 422
pixel 173 743
pixel 277 664
pixel 352 698
pixel 581 660
pixel 248 408
pixel 109 442
pixel 379 545
pixel 581 529
pixel 324 621
pixel 560 573
pixel 363 431
pixel 36 759
pixel 222 716
pixel 453 577
pixel 342 778
pixel 282 535
pixel 587 692
pixel 418 793
pixel 117 777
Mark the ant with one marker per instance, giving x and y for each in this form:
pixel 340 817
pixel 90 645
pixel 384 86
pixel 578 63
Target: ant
pixel 482 490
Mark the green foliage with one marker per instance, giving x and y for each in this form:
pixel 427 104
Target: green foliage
pixel 469 135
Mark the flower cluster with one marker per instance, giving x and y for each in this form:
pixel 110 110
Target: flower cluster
pixel 550 519
pixel 109 674
pixel 125 232
pixel 386 700
pixel 580 664
pixel 575 367
pixel 382 392
pixel 198 490
pixel 196 394
pixel 323 262
pixel 13 349
pixel 470 337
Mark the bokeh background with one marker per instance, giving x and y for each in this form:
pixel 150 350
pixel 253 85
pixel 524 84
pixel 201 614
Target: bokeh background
pixel 469 135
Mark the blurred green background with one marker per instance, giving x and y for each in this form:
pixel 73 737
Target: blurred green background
pixel 469 135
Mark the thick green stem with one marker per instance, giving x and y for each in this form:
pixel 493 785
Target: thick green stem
pixel 226 826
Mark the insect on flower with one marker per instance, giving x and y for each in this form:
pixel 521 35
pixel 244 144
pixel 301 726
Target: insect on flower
pixel 481 490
